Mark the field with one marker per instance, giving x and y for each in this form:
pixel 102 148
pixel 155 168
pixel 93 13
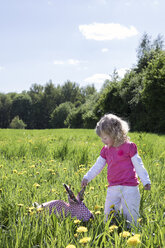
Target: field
pixel 33 166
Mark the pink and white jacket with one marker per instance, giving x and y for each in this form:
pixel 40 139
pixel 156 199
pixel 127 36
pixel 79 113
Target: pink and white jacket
pixel 124 165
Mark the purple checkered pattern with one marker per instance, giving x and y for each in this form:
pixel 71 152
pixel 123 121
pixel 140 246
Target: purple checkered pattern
pixel 61 208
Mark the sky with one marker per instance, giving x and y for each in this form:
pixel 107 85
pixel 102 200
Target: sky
pixel 82 41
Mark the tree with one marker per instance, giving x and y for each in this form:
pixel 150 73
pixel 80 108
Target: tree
pixel 21 106
pixel 154 92
pixel 147 49
pixel 70 92
pixel 5 108
pixel 60 114
pixel 17 123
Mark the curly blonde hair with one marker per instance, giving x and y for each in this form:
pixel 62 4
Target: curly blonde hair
pixel 115 127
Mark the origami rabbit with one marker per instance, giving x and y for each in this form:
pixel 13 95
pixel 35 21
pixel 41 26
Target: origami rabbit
pixel 75 207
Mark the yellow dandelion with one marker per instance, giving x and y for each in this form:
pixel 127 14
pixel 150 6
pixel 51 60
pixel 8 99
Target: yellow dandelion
pixel 139 220
pixel 124 234
pixel 20 205
pixel 133 241
pixel 77 221
pixel 84 240
pixel 70 246
pixel 20 173
pixel 82 229
pixel 36 185
pixel 97 207
pixel 30 208
pixel 39 210
pixel 32 166
pixel 137 236
pixel 113 228
pixel 15 171
pixel 81 165
pixel 97 212
pixel 50 170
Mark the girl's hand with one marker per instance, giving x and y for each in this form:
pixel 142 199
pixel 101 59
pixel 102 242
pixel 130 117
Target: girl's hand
pixel 84 182
pixel 147 187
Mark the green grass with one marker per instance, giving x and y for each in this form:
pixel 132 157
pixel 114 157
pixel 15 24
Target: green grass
pixel 48 158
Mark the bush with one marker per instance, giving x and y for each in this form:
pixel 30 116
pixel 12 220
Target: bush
pixel 17 123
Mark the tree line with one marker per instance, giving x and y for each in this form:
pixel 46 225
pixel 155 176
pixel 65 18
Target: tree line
pixel 139 98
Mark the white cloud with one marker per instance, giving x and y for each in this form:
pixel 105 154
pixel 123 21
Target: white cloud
pixel 107 31
pixel 73 61
pixel 97 78
pixel 67 62
pixel 104 50
pixel 2 68
pixel 121 72
pixel 58 62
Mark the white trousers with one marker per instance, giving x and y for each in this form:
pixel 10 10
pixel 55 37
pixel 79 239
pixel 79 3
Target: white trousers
pixel 124 198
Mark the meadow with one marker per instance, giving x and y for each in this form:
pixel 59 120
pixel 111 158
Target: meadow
pixel 34 164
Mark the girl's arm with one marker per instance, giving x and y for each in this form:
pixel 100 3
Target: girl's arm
pixel 94 171
pixel 140 170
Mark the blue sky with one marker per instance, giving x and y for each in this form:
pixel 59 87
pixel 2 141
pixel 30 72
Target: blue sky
pixel 78 40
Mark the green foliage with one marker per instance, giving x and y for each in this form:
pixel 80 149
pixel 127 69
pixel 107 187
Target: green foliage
pixel 153 93
pixel 21 106
pixel 59 115
pixel 17 123
pixel 5 109
pixel 35 163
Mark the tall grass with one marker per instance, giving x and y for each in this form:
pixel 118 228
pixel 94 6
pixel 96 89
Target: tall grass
pixel 35 163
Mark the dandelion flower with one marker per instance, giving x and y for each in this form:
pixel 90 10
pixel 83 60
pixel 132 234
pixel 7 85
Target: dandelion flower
pixel 113 228
pixel 84 240
pixel 32 166
pixel 97 212
pixel 82 229
pixel 20 205
pixel 39 210
pixel 137 236
pixel 133 241
pixel 70 246
pixel 77 221
pixel 125 234
pixel 36 185
pixel 140 220
pixel 15 171
pixel 97 207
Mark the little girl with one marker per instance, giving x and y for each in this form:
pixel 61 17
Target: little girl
pixel 123 163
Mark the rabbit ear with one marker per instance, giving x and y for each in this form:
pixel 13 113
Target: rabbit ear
pixel 81 194
pixel 70 193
